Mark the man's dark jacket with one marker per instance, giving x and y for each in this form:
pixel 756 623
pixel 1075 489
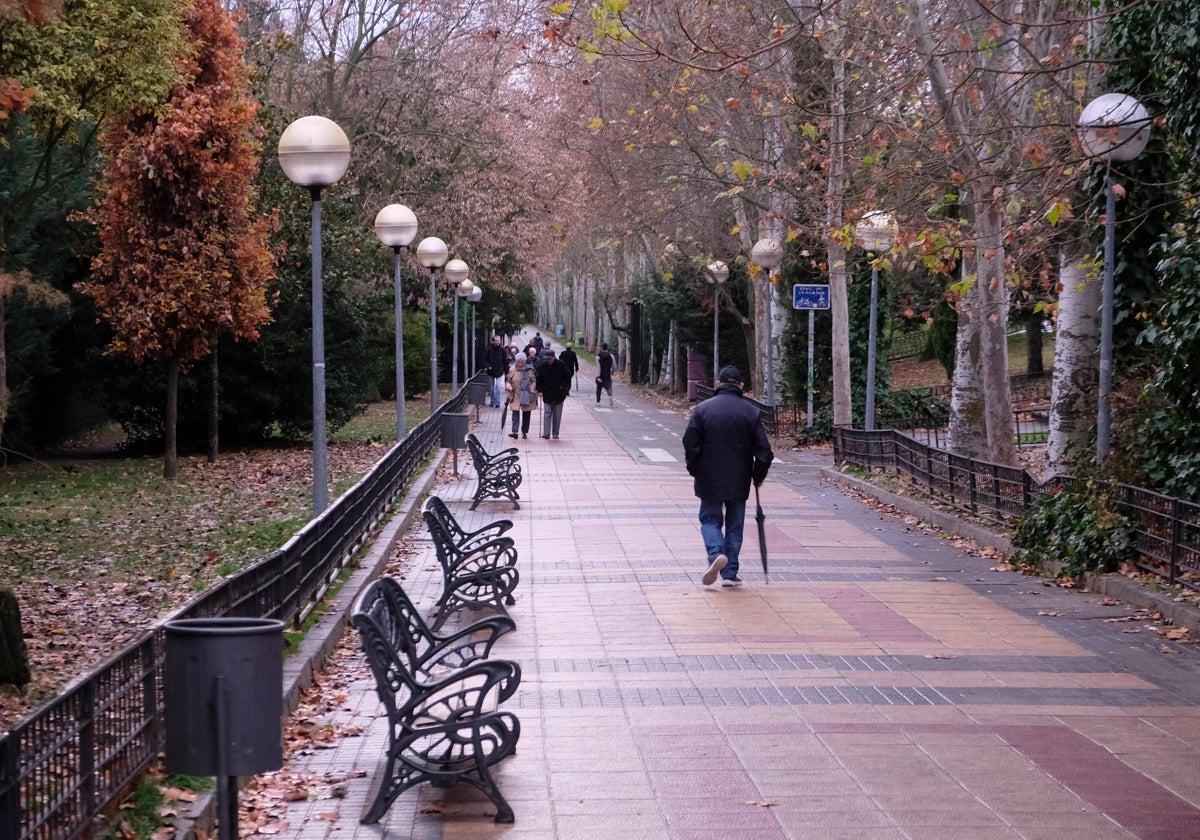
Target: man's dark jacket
pixel 495 360
pixel 726 446
pixel 554 382
pixel 569 360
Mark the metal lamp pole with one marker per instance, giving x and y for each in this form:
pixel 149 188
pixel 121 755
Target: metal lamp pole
pixel 768 254
pixel 718 272
pixel 464 291
pixel 1113 126
pixel 874 232
pixel 396 226
pixel 456 272
pixel 474 298
pixel 315 153
pixel 432 253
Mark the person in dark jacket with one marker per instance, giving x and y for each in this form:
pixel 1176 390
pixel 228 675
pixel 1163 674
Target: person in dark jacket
pixel 725 447
pixel 568 358
pixel 495 364
pixel 554 384
pixel 604 359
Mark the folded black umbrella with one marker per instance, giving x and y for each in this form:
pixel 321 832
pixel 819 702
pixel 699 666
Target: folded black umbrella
pixel 761 519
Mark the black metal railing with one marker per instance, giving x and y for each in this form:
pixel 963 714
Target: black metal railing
pixel 1166 530
pixel 65 762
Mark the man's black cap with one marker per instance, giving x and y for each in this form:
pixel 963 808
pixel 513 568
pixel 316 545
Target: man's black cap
pixel 729 374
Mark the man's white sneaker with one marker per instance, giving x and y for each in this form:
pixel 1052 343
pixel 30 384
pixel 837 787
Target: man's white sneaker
pixel 714 569
pixel 732 581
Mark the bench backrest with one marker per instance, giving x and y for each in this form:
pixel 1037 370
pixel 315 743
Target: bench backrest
pixel 478 454
pixel 457 533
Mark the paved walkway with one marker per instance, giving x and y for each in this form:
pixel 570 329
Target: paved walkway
pixel 886 685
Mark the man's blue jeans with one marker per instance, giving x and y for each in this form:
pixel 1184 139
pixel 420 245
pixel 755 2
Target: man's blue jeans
pixel 496 380
pixel 716 515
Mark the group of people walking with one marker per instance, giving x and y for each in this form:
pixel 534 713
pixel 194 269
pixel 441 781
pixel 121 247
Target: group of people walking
pixel 535 375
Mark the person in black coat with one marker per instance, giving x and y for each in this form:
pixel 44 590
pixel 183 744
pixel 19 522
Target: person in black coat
pixel 554 384
pixel 495 363
pixel 725 448
pixel 604 360
pixel 568 358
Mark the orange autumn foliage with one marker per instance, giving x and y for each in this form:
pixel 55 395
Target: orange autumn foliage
pixel 183 256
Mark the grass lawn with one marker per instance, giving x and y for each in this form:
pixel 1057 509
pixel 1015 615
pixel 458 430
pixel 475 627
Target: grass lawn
pixel 99 548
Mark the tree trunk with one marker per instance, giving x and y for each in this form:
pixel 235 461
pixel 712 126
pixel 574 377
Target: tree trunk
pixel 968 431
pixel 14 656
pixel 1076 365
pixel 170 458
pixel 214 404
pixel 993 322
pixel 835 200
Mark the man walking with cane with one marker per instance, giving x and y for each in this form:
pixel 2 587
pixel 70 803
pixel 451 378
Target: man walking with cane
pixel 725 447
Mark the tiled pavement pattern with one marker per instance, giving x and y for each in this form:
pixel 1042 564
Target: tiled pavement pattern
pixel 884 686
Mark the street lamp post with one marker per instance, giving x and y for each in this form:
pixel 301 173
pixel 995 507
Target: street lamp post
pixel 315 153
pixel 1113 126
pixel 464 291
pixel 718 272
pixel 396 226
pixel 456 272
pixel 432 253
pixel 474 298
pixel 874 232
pixel 768 254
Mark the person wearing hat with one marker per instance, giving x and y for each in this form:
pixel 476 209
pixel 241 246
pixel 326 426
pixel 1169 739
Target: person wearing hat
pixel 554 384
pixel 725 447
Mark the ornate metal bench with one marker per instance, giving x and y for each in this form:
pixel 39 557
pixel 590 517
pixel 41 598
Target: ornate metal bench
pixel 462 538
pixel 483 574
pixel 442 730
pixel 430 654
pixel 499 474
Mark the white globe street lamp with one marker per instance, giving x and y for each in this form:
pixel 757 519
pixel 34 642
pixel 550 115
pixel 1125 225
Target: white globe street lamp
pixel 1113 126
pixel 315 153
pixel 718 273
pixel 456 272
pixel 768 254
pixel 396 227
pixel 432 253
pixel 875 232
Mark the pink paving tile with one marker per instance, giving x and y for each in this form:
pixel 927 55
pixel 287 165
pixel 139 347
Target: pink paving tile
pixel 1138 803
pixel 870 616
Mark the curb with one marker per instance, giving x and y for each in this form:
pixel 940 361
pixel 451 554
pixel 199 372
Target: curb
pixel 321 639
pixel 1139 595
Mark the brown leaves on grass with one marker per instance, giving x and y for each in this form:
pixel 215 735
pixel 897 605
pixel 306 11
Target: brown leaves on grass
pixel 119 560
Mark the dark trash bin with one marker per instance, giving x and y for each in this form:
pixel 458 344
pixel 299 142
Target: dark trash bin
pixel 477 393
pixel 454 429
pixel 223 696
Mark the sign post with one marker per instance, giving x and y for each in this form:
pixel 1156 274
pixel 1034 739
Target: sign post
pixel 811 298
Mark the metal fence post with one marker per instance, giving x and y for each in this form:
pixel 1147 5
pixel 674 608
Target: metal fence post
pixel 1176 536
pixel 10 786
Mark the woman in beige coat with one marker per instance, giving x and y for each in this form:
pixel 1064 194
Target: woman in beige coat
pixel 521 387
